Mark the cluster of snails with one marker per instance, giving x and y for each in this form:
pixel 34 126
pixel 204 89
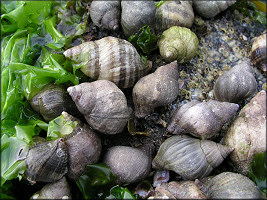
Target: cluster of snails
pixel 114 64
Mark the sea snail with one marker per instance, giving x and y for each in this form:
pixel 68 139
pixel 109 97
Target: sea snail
pixel 157 89
pixel 106 14
pixel 202 119
pixel 174 13
pixel 190 157
pixel 209 9
pixel 109 58
pixel 178 43
pixel 258 52
pixel 128 163
pixel 236 84
pixel 136 14
pixel 103 105
pixel 247 134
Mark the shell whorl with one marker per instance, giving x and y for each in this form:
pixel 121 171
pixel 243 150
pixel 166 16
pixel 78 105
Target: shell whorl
pixel 109 58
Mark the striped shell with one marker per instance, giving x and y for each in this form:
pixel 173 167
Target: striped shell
pixel 174 13
pixel 105 14
pixel 103 105
pixel 229 185
pixel 109 58
pixel 47 162
pixel 209 9
pixel 258 52
pixel 189 157
pixel 236 84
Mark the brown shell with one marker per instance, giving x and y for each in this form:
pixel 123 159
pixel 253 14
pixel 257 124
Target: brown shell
pixel 109 58
pixel 103 104
pixel 258 52
pixel 47 162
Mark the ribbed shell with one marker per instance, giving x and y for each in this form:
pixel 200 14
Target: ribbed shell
pixel 202 119
pixel 178 43
pixel 258 52
pixel 209 9
pixel 189 157
pixel 103 105
pixel 109 58
pixel 157 89
pixel 236 84
pixel 229 185
pixel 47 162
pixel 128 163
pixel 136 14
pixel 174 13
pixel 106 14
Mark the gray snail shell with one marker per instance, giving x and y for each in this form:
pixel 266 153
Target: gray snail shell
pixel 258 52
pixel 229 185
pixel 84 148
pixel 209 9
pixel 202 119
pixel 103 105
pixel 190 157
pixel 47 162
pixel 157 89
pixel 174 13
pixel 136 14
pixel 179 190
pixel 236 84
pixel 109 58
pixel 57 190
pixel 247 134
pixel 51 101
pixel 128 163
pixel 178 43
pixel 105 14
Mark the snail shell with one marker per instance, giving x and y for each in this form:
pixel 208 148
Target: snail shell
pixel 109 58
pixel 209 9
pixel 236 84
pixel 229 185
pixel 157 89
pixel 56 190
pixel 174 13
pixel 202 119
pixel 84 148
pixel 47 162
pixel 136 14
pixel 247 134
pixel 128 163
pixel 178 43
pixel 258 52
pixel 190 157
pixel 105 14
pixel 103 104
pixel 51 101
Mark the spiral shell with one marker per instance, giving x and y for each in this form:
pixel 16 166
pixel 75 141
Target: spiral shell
pixel 178 43
pixel 47 162
pixel 128 163
pixel 247 134
pixel 189 157
pixel 103 104
pixel 157 89
pixel 105 14
pixel 229 185
pixel 209 9
pixel 174 13
pixel 258 52
pixel 202 119
pixel 236 84
pixel 109 58
pixel 136 14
